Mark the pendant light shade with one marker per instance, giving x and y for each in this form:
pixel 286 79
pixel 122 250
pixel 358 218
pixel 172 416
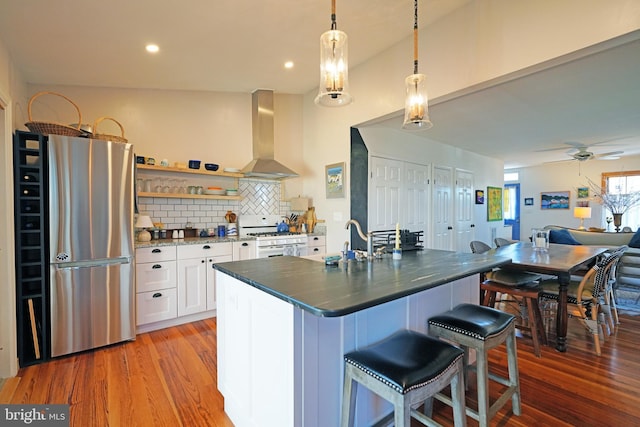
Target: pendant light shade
pixel 334 66
pixel 416 105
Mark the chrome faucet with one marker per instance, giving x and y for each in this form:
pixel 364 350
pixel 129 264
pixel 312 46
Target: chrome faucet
pixel 367 238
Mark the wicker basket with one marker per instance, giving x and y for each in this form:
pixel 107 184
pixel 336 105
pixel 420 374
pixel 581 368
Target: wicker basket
pixel 116 138
pixel 49 128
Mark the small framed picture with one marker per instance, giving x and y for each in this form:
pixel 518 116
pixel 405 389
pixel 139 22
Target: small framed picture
pixel 479 197
pixel 583 193
pixel 334 180
pixel 528 201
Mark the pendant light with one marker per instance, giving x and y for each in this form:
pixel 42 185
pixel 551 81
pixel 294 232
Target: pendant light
pixel 416 106
pixel 334 85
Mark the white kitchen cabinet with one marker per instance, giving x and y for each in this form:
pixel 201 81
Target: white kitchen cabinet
pixel 156 306
pixel 244 250
pixel 196 281
pixel 316 245
pixel 156 281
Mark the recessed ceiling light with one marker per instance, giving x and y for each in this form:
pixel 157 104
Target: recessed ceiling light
pixel 288 64
pixel 152 48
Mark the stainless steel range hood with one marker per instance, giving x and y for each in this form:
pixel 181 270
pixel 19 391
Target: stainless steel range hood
pixel 263 164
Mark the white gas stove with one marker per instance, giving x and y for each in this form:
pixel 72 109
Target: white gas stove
pixel 269 242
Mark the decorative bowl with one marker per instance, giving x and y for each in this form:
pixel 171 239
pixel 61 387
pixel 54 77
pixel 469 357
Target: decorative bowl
pixel 211 166
pixel 194 164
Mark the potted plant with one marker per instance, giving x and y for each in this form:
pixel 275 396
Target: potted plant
pixel 617 203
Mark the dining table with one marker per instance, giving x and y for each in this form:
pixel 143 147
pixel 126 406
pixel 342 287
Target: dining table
pixel 561 261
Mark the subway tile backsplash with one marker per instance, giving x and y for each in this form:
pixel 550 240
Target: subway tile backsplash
pixel 258 197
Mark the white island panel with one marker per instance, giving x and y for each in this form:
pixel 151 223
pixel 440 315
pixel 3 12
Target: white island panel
pixel 279 365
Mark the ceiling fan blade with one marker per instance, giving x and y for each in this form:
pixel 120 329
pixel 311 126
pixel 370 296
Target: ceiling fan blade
pixel 612 155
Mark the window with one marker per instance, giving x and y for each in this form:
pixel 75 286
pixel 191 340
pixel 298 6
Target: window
pixel 623 183
pixel 511 176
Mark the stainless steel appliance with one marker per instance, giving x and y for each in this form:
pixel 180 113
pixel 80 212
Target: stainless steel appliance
pixel 90 243
pixel 269 242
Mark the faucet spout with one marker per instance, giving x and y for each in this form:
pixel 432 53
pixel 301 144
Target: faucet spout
pixel 367 238
pixel 357 224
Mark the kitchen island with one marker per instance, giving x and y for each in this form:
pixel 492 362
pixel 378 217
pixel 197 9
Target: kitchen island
pixel 284 324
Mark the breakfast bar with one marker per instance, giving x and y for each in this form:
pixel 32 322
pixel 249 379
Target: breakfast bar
pixel 284 324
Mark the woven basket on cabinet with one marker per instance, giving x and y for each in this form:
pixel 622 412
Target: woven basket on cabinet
pixel 116 138
pixel 51 128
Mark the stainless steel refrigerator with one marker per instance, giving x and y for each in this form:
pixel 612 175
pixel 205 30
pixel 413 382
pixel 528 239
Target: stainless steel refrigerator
pixel 91 205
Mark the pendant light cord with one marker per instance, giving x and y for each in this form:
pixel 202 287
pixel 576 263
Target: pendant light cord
pixel 415 37
pixel 333 15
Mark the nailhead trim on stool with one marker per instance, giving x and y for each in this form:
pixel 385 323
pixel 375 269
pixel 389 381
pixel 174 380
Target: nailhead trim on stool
pixel 407 369
pixel 482 328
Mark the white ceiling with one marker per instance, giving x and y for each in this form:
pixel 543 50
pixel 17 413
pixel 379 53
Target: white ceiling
pixel 238 46
pixel 589 97
pixel 212 45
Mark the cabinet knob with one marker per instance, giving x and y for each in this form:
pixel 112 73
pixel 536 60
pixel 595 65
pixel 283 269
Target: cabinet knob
pixel 316 250
pixel 156 266
pixel 210 259
pixel 206 247
pixel 315 238
pixel 157 295
pixel 156 251
pixel 245 244
pixel 449 228
pixel 202 261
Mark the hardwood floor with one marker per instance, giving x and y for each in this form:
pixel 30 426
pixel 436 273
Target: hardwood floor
pixel 168 378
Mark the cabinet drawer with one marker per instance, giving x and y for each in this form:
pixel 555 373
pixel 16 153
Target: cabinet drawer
pixel 154 276
pixel 204 250
pixel 160 253
pixel 156 306
pixel 314 241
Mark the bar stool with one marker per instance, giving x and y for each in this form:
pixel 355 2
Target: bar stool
pixel 406 369
pixel 529 296
pixel 482 328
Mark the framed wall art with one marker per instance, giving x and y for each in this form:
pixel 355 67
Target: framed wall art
pixel 494 204
pixel 583 193
pixel 479 197
pixel 528 201
pixel 334 180
pixel 555 199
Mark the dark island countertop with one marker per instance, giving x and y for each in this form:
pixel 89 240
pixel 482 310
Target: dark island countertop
pixel 332 291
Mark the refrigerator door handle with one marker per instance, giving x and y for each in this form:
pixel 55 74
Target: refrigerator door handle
pixel 92 263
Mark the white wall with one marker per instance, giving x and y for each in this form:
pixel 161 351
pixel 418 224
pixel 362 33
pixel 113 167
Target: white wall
pixel 565 176
pixel 10 83
pixel 483 40
pixel 214 127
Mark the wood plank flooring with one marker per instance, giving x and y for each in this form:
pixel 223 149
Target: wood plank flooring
pixel 168 378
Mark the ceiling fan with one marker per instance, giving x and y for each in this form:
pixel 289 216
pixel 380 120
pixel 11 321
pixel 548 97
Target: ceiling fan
pixel 581 152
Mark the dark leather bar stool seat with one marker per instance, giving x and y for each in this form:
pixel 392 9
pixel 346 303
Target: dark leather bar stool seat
pixel 482 328
pixel 407 369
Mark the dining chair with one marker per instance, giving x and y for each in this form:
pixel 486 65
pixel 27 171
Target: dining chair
pixel 479 247
pixel 584 295
pixel 499 241
pixel 608 296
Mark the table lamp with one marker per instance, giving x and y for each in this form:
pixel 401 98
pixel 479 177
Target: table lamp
pixel 582 213
pixel 144 222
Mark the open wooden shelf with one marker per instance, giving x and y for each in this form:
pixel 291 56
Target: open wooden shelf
pixel 191 171
pixel 188 196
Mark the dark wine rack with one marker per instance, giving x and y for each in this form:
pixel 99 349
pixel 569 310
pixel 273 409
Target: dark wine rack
pixel 31 243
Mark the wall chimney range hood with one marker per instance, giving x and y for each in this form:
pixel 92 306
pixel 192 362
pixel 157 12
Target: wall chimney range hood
pixel 263 164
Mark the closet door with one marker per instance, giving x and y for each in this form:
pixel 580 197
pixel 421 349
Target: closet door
pixel 416 189
pixel 384 193
pixel 464 228
pixel 442 208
